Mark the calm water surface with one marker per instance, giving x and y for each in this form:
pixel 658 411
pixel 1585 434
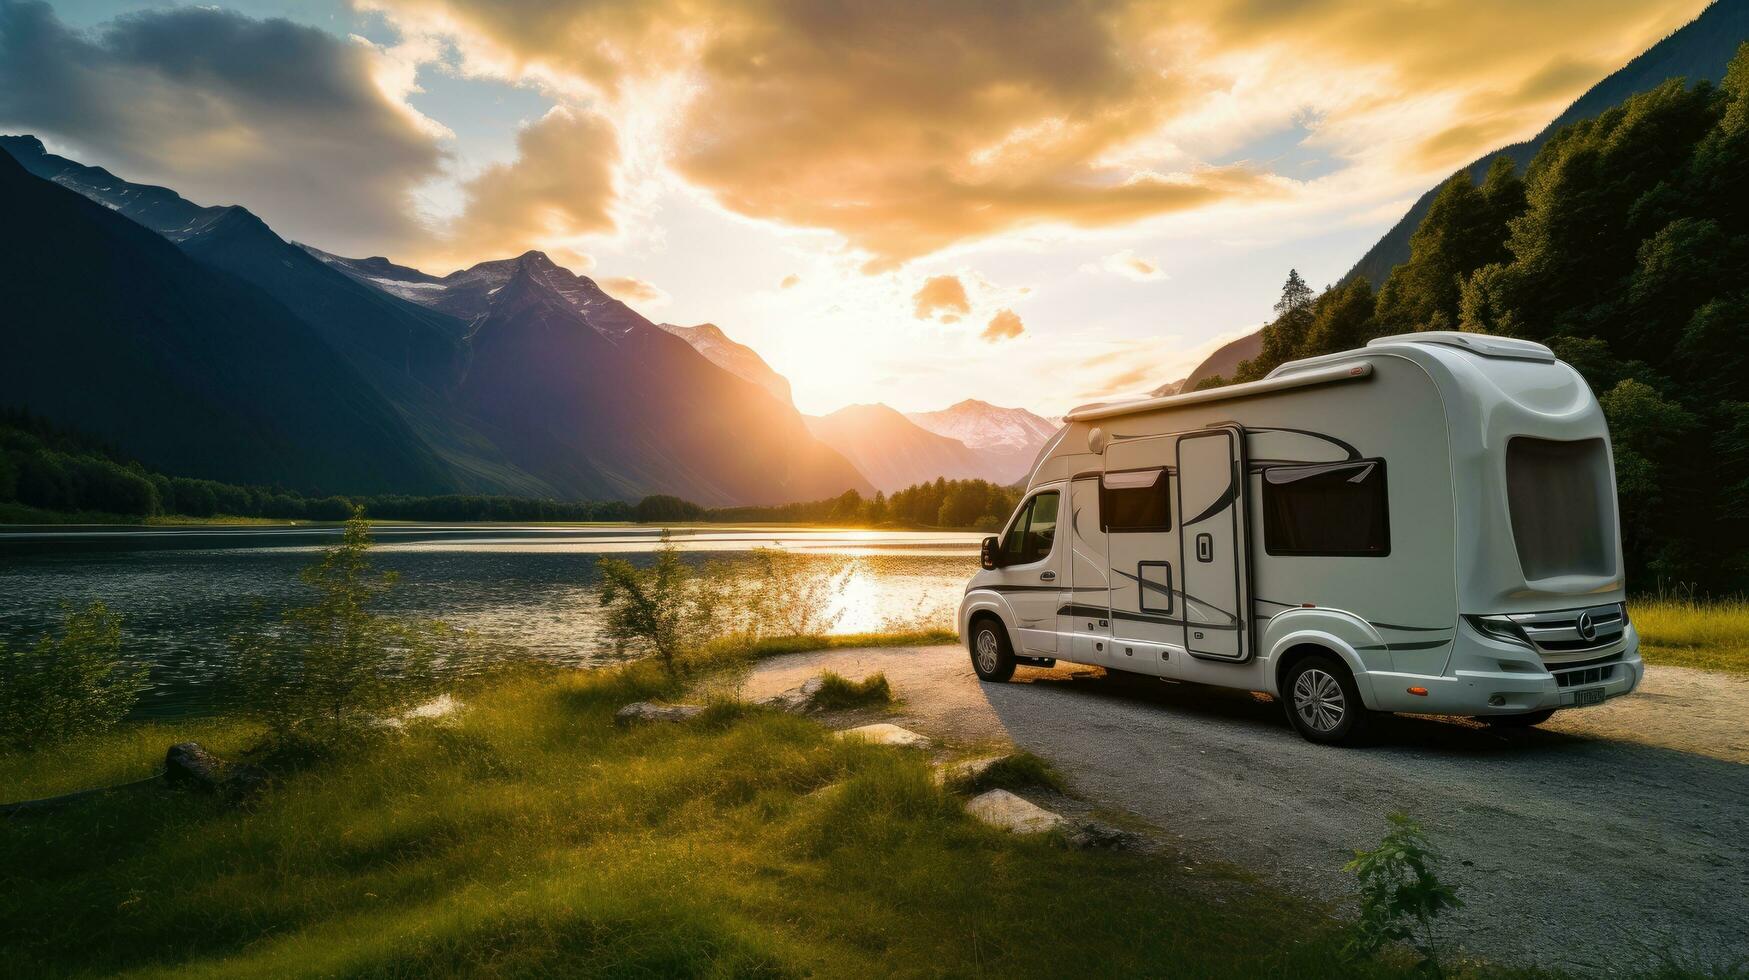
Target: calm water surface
pixel 183 591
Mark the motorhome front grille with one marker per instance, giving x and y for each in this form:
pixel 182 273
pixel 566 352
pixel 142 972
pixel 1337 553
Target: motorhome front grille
pixel 1588 675
pixel 1568 631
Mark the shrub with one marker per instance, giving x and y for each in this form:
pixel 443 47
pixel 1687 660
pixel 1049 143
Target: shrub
pixel 671 607
pixel 1401 896
pixel 792 595
pixel 69 684
pixel 335 666
pixel 839 693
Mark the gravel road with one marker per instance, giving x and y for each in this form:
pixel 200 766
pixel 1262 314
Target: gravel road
pixel 1606 841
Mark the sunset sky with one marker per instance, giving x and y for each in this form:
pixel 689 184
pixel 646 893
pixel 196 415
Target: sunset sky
pixel 1036 204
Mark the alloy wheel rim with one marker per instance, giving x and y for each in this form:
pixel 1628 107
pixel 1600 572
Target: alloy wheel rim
pixel 987 652
pixel 1319 700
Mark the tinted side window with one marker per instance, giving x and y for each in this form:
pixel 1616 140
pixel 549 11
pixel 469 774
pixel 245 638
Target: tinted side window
pixel 1335 509
pixel 1135 502
pixel 1029 538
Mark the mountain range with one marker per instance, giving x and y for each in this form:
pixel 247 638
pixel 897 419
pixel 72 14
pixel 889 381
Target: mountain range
pixel 1699 50
pixel 199 341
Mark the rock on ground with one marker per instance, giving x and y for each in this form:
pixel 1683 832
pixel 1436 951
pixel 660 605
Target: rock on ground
pixel 1093 835
pixel 639 711
pixel 796 700
pixel 190 764
pixel 1000 808
pixel 884 734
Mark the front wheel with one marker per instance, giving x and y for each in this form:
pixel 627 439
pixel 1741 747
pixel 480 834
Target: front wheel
pixel 1322 701
pixel 992 657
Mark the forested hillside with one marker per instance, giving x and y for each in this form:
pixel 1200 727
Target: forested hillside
pixel 1698 51
pixel 1622 246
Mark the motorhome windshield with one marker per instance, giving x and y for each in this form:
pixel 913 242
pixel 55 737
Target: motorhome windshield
pixel 1559 494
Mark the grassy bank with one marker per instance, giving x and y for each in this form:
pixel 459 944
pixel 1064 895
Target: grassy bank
pixel 1711 635
pixel 530 835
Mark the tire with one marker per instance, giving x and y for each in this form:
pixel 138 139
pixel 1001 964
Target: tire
pixel 1323 703
pixel 1529 719
pixel 992 656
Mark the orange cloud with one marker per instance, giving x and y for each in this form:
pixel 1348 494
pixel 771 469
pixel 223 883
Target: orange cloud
pixel 1005 325
pixel 789 281
pixel 561 185
pixel 1129 265
pixel 633 290
pixel 944 295
pixel 911 126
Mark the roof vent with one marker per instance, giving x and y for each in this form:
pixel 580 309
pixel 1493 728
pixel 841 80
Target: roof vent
pixel 1480 344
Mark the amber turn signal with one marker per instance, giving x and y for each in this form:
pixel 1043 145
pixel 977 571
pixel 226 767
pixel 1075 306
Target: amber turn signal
pixel 1419 692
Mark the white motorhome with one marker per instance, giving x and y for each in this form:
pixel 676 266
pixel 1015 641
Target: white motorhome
pixel 1424 525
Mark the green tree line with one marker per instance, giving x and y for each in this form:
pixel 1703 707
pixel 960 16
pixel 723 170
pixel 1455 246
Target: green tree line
pixel 44 468
pixel 1622 246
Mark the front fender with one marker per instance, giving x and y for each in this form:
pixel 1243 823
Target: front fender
pixel 1341 633
pixel 986 600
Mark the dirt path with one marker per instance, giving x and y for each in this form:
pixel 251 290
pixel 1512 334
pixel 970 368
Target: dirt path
pixel 1613 838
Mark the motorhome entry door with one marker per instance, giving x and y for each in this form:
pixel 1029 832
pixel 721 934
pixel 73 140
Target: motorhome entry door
pixel 1214 547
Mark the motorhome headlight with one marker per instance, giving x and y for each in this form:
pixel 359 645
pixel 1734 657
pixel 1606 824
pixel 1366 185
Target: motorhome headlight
pixel 1499 628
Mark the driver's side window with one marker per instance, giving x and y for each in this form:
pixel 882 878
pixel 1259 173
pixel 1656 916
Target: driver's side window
pixel 1030 537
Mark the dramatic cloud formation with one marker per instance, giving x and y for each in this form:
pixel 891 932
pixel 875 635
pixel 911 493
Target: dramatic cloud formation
pixel 1129 265
pixel 632 290
pixel 944 296
pixel 1005 325
pixel 300 125
pixel 561 186
pixel 911 126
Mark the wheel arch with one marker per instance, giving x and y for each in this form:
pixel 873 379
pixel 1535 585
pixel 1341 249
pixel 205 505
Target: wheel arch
pixel 985 605
pixel 1295 647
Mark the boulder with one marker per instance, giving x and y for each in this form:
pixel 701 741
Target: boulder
pixel 639 711
pixel 190 764
pixel 1000 808
pixel 796 700
pixel 1086 835
pixel 884 734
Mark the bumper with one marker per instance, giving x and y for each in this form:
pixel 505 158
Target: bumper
pixel 1485 676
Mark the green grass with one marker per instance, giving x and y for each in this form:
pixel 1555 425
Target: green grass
pixel 839 693
pixel 1017 771
pixel 1711 635
pixel 122 754
pixel 533 836
pixel 778 645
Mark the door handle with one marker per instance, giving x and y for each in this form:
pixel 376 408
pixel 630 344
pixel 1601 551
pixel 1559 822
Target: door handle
pixel 1047 576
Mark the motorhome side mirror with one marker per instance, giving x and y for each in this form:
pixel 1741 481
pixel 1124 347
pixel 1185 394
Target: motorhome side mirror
pixel 990 554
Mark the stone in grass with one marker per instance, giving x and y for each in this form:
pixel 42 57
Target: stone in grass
pixel 796 700
pixel 1087 835
pixel 1000 808
pixel 884 734
pixel 649 711
pixel 190 764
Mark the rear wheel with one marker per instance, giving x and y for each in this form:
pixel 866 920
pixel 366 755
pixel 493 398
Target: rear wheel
pixel 1529 719
pixel 992 657
pixel 1322 701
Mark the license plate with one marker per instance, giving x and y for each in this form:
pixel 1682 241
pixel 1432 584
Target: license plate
pixel 1589 696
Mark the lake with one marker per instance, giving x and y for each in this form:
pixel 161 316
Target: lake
pixel 184 590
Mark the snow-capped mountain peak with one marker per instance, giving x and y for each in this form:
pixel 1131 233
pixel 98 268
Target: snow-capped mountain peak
pixel 982 425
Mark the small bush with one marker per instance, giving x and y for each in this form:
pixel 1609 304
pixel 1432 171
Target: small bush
pixel 840 693
pixel 671 608
pixel 334 667
pixel 69 684
pixel 1401 896
pixel 1016 771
